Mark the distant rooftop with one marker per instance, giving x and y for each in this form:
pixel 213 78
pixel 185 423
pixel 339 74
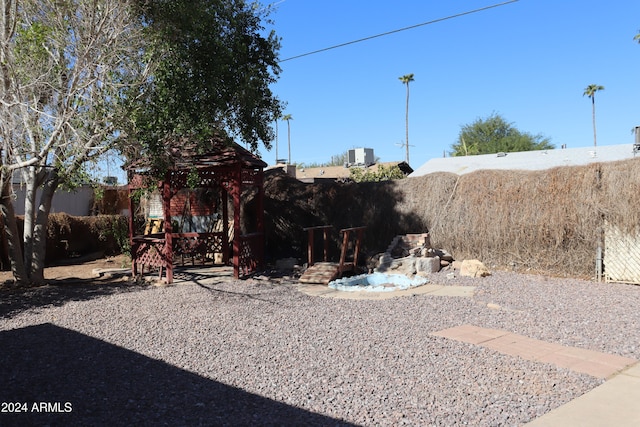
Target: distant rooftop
pixel 528 160
pixel 332 173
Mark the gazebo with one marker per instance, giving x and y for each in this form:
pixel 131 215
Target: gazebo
pixel 187 212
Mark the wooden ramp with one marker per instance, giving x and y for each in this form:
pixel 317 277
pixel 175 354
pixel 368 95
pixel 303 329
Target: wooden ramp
pixel 321 272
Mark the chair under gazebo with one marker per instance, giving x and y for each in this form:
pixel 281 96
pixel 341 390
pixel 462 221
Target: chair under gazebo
pixel 190 217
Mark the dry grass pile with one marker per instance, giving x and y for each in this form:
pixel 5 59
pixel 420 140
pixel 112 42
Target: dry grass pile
pixel 546 221
pixel 543 221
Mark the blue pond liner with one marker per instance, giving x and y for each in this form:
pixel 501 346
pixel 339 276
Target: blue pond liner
pixel 377 282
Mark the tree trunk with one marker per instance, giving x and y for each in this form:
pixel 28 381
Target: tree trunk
pixel 407 124
pixel 28 259
pixel 593 117
pixel 11 230
pixel 39 244
pixel 29 176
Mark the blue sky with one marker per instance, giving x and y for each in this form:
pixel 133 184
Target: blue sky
pixel 528 61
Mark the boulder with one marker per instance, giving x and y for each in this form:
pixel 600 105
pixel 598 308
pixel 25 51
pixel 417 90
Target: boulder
pixel 406 266
pixel 473 268
pixel 445 256
pixel 415 251
pixel 374 262
pixel 427 265
pixel 441 253
pixel 399 252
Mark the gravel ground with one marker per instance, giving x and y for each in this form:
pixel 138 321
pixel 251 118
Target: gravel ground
pixel 259 352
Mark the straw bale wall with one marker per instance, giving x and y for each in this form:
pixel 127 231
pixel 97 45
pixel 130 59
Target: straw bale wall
pixel 542 221
pixel 545 221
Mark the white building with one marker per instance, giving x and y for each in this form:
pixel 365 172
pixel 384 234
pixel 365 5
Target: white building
pixel 528 160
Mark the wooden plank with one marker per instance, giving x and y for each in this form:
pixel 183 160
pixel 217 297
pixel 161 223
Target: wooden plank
pixel 321 272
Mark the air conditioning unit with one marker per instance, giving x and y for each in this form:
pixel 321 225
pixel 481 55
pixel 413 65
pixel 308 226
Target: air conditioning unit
pixel 361 156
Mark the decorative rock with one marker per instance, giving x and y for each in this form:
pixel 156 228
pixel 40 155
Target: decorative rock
pixel 406 266
pixel 441 253
pixel 415 251
pixel 374 262
pixel 446 256
pixel 428 265
pixel 473 268
pixel 411 254
pixel 399 252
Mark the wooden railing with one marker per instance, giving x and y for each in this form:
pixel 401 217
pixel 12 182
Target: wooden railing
pixel 311 230
pixel 345 264
pixel 251 254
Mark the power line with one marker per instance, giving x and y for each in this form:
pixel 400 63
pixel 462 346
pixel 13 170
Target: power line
pixel 401 29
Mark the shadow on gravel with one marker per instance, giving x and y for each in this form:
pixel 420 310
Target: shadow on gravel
pixel 81 380
pixel 57 293
pixel 209 279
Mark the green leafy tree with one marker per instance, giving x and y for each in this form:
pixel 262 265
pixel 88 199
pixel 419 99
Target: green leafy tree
pixel 338 159
pixel 80 77
pixel 214 62
pixel 590 91
pixel 383 173
pixel 64 67
pixel 494 135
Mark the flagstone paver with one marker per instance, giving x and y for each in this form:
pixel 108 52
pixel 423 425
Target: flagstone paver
pixel 594 363
pixel 614 403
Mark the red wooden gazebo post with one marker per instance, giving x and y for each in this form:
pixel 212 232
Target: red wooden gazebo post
pixel 168 228
pixel 225 226
pixel 260 216
pixel 237 238
pixel 134 268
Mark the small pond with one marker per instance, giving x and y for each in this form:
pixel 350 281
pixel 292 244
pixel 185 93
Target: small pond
pixel 377 282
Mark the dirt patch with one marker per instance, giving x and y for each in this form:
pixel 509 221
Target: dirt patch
pixel 79 269
pixel 75 281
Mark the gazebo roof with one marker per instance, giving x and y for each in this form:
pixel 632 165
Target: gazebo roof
pixel 184 154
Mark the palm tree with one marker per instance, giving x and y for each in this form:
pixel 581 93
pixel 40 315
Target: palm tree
pixel 406 79
pixel 288 117
pixel 590 91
